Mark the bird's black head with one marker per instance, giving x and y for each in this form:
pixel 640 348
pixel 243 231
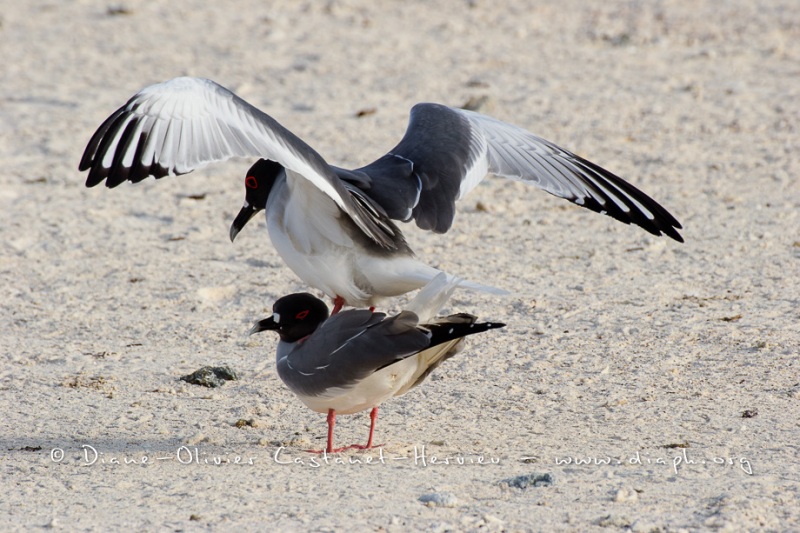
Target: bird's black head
pixel 258 184
pixel 294 317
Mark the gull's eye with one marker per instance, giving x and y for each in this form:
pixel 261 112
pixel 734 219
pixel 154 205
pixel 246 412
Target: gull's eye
pixel 251 182
pixel 301 315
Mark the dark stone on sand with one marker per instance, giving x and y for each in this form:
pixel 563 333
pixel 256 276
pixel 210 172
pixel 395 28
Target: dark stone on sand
pixel 211 376
pixel 530 480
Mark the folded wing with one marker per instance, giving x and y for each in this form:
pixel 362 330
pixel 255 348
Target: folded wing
pixel 348 347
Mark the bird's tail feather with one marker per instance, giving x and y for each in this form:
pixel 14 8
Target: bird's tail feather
pixel 433 296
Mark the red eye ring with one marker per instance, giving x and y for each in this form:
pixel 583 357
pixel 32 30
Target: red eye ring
pixel 301 315
pixel 251 182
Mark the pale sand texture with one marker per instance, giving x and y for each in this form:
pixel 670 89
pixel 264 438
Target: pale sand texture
pixel 618 343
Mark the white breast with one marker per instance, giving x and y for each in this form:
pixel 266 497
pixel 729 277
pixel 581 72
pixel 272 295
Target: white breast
pixel 366 394
pixel 307 230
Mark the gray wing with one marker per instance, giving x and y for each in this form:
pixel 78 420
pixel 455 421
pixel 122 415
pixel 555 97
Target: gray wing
pixel 451 150
pixel 183 124
pixel 348 347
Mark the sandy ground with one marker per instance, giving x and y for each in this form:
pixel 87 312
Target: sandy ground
pixel 672 369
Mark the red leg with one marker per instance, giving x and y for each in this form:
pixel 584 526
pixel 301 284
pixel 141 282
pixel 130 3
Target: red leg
pixel 338 302
pixel 373 416
pixel 331 423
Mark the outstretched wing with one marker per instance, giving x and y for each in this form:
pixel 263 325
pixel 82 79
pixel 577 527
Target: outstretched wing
pixel 183 124
pixel 452 150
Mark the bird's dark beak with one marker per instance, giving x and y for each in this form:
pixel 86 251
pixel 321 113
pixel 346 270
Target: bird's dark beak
pixel 247 212
pixel 264 325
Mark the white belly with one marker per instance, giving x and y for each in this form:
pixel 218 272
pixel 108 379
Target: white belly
pixel 307 230
pixel 368 393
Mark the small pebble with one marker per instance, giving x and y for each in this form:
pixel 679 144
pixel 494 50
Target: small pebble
pixel 195 439
pixel 644 526
pixel 439 499
pixel 477 103
pixel 366 112
pixel 614 521
pixel 624 495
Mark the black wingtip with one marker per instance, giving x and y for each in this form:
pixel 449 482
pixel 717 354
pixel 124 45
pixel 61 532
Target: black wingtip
pixel 446 331
pixel 658 222
pixel 673 233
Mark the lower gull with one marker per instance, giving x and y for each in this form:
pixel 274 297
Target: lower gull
pixel 357 359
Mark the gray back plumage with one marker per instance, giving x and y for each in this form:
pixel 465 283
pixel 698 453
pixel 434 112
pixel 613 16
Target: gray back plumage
pixel 348 347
